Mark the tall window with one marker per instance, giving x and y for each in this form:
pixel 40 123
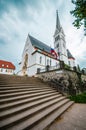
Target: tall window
pixel 50 62
pixel 69 62
pixel 40 59
pixel 56 64
pixel 57 45
pixel 47 61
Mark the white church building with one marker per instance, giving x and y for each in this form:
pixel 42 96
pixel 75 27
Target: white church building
pixel 37 55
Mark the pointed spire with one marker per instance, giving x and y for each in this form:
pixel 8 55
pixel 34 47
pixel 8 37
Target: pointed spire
pixel 58 26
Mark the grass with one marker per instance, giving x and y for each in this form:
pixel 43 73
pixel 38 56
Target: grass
pixel 80 98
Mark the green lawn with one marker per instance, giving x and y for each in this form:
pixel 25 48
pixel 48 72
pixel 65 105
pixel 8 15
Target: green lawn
pixel 80 98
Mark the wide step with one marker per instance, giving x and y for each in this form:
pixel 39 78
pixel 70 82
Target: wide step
pixel 26 103
pixel 51 117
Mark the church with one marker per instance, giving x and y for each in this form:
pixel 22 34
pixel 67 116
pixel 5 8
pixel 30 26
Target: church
pixel 37 55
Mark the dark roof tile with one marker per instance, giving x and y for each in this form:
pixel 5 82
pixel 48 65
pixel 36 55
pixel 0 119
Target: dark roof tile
pixel 69 54
pixel 39 44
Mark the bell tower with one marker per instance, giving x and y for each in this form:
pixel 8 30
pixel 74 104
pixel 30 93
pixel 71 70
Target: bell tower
pixel 59 41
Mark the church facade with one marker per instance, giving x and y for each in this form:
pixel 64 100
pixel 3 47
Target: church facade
pixel 37 55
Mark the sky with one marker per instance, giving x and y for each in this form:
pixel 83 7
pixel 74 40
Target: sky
pixel 38 18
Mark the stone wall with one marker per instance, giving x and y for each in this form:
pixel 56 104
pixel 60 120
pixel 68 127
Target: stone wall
pixel 83 77
pixel 66 76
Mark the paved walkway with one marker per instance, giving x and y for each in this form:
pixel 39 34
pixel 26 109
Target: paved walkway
pixel 73 119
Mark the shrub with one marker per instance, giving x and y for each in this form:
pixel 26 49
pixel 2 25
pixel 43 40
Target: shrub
pixel 80 98
pixel 66 66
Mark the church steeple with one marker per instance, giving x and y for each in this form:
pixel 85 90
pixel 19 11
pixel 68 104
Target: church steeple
pixel 59 41
pixel 58 26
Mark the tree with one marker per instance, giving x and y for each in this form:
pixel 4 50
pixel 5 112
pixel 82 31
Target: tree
pixel 80 14
pixel 78 68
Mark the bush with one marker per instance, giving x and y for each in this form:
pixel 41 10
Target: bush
pixel 66 66
pixel 80 98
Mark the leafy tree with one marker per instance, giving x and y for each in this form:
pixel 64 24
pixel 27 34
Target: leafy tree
pixel 78 68
pixel 80 13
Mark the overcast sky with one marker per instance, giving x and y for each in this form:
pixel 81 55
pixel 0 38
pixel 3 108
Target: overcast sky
pixel 38 18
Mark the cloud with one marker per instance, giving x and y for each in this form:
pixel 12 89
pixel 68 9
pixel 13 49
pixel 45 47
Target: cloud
pixel 37 17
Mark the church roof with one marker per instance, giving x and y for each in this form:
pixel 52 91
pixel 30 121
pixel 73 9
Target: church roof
pixel 70 55
pixel 39 44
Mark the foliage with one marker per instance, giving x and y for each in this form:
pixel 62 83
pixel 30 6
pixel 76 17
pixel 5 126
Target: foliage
pixel 26 75
pixel 80 98
pixel 66 66
pixel 78 68
pixel 80 13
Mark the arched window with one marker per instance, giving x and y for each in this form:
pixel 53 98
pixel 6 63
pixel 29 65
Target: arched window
pixel 47 61
pixel 40 60
pixel 57 45
pixel 69 62
pixel 50 62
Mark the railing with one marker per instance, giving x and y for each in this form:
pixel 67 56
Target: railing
pixel 48 68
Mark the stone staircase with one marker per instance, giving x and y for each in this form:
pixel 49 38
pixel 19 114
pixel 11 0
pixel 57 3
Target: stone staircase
pixel 26 103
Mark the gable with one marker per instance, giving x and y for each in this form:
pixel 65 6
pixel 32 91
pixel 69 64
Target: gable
pixel 28 48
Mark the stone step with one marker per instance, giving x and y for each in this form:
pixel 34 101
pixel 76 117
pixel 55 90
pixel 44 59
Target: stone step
pixel 23 93
pixel 19 85
pixel 26 100
pixel 42 124
pixel 18 78
pixel 22 85
pixel 29 117
pixel 26 103
pixel 4 76
pixel 17 98
pixel 18 81
pixel 7 77
pixel 12 84
pixel 23 89
pixel 14 110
